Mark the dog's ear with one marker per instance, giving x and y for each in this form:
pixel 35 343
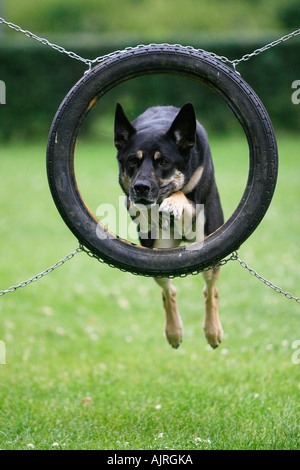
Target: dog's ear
pixel 123 128
pixel 183 128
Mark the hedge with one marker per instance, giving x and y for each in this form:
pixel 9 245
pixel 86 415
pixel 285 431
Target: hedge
pixel 37 78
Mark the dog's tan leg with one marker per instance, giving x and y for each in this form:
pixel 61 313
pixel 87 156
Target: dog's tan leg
pixel 173 325
pixel 212 325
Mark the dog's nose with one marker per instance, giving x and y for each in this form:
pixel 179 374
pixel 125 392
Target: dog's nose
pixel 142 189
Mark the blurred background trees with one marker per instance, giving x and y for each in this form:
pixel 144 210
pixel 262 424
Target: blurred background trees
pixel 37 78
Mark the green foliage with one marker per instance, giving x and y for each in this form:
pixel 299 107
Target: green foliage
pixel 289 15
pixel 155 17
pixel 37 79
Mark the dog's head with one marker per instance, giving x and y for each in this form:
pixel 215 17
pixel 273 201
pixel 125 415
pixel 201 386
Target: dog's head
pixel 153 157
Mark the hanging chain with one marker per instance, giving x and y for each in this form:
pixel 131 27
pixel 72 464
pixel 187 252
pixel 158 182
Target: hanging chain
pixel 277 289
pixel 99 59
pixel 43 273
pixel 44 41
pixel 233 257
pixel 266 47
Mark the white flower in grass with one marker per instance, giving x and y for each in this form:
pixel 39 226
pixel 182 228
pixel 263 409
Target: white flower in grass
pixel 198 440
pixel 94 337
pixel 158 407
pixel 31 446
pixel 55 444
pixel 224 351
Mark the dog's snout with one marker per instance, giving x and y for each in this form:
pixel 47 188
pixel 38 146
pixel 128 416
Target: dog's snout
pixel 142 189
pixel 143 192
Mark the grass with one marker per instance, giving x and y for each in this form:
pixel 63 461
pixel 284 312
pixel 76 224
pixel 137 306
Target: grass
pixel 87 364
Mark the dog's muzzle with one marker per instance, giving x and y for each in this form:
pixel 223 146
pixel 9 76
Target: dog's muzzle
pixel 143 193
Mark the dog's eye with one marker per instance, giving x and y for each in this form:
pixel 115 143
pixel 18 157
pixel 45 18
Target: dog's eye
pixel 133 161
pixel 163 162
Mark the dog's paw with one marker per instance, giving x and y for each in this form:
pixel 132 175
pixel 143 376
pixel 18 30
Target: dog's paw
pixel 174 335
pixel 178 206
pixel 214 334
pixel 172 205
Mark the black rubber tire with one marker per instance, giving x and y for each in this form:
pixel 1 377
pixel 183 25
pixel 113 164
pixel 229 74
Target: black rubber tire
pixel 175 60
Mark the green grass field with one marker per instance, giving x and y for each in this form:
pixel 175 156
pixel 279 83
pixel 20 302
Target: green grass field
pixel 87 365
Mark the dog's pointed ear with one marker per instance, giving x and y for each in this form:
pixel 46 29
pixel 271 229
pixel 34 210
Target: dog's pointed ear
pixel 183 128
pixel 123 128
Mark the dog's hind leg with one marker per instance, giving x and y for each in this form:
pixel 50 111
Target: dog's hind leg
pixel 173 325
pixel 212 325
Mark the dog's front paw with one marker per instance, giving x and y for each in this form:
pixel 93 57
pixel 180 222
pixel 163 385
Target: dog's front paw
pixel 177 205
pixel 173 206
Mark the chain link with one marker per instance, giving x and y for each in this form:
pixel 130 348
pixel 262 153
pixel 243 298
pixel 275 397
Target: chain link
pixel 268 283
pixel 233 257
pixel 100 59
pixel 266 47
pixel 224 261
pixel 44 41
pixel 42 274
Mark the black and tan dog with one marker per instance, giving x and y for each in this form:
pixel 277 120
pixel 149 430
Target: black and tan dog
pixel 164 159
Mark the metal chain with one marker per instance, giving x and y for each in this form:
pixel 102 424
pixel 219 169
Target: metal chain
pixel 266 47
pixel 44 41
pixel 99 59
pixel 224 261
pixel 42 274
pixel 233 257
pixel 277 289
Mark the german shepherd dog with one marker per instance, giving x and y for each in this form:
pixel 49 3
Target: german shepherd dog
pixel 164 158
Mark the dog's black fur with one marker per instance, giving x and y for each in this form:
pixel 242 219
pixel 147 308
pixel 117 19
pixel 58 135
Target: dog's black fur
pixel 182 146
pixel 164 158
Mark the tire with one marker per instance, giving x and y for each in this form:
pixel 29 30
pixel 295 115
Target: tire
pixel 248 109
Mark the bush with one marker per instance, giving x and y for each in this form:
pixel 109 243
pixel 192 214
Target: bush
pixel 289 15
pixel 37 79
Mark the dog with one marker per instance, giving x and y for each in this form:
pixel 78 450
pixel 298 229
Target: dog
pixel 165 160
